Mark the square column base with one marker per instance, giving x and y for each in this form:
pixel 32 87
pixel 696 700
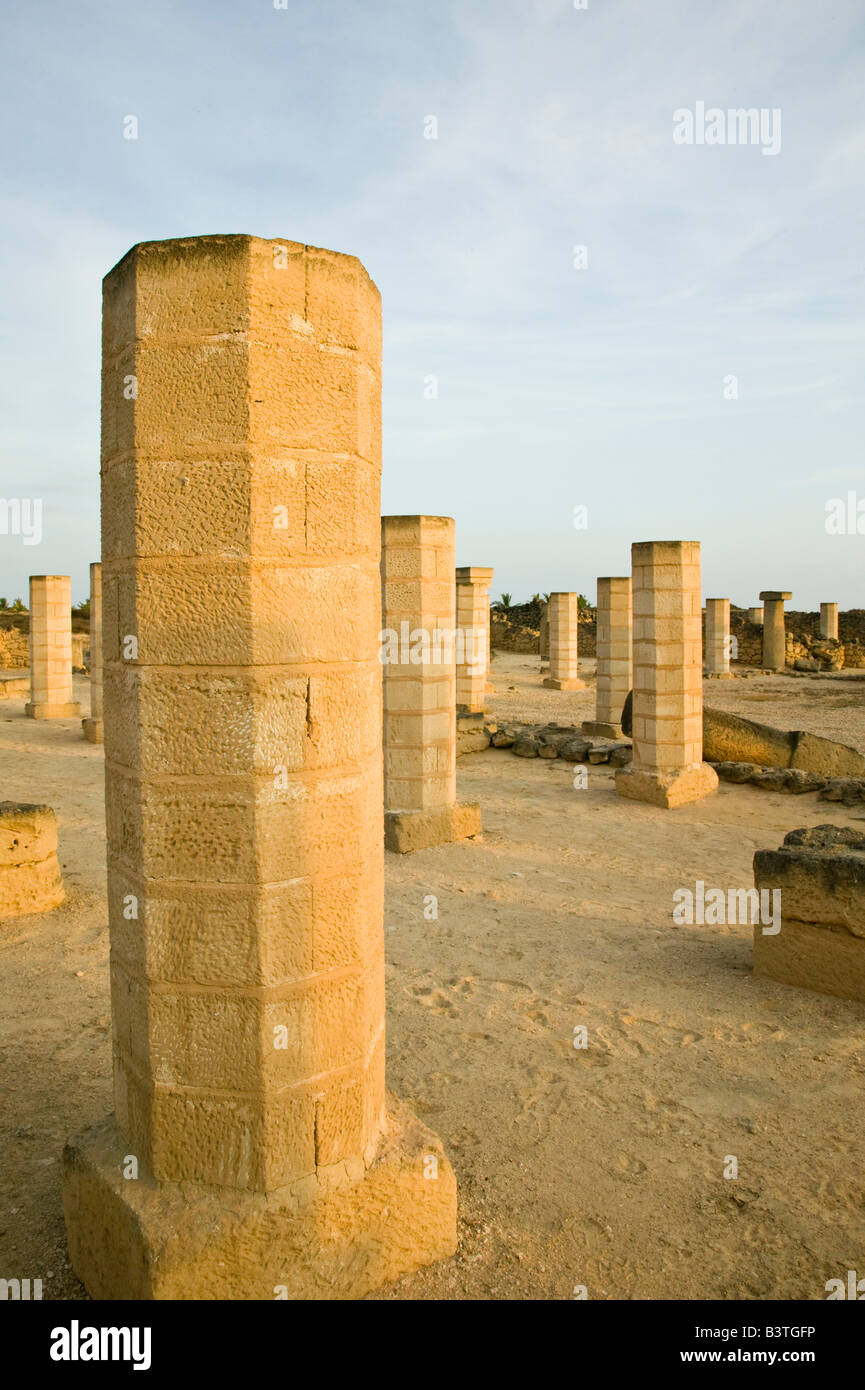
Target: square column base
pixel 46 711
pixel 93 730
pixel 718 675
pixel 601 730
pixel 407 831
pixel 667 789
pixel 338 1234
pixel 552 683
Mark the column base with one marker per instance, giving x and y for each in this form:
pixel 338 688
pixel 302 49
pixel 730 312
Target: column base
pixel 667 789
pixel 718 675
pixel 596 729
pixel 93 730
pixel 552 683
pixel 338 1234
pixel 40 710
pixel 407 831
pixel 30 887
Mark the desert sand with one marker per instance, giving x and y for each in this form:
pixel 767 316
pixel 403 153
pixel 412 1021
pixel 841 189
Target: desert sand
pixel 602 1167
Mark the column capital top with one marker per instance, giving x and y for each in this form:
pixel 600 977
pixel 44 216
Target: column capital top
pixel 473 574
pixel 775 595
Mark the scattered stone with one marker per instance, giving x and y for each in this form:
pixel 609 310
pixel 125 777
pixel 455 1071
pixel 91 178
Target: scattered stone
pixel 526 746
pixel 771 778
pixel 575 750
pixel 502 738
pixel 734 772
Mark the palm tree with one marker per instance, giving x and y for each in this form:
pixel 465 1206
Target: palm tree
pixel 505 601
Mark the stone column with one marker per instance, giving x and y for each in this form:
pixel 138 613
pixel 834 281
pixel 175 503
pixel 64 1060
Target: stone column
pixel 755 616
pixel 51 648
pixel 564 673
pixel 418 653
pixel 473 623
pixel 255 1153
pixel 613 646
pixel 93 726
pixel 668 768
pixel 774 636
pixel 544 637
pixel 716 650
pixel 829 620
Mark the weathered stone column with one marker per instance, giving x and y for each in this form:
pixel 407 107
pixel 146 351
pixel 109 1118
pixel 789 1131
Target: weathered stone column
pixel 755 616
pixel 418 652
pixel 473 623
pixel 668 768
pixel 564 670
pixel 613 648
pixel 774 636
pixel 254 1153
pixel 51 648
pixel 716 652
pixel 93 726
pixel 829 620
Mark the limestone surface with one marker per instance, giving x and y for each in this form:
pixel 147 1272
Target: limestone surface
pixel 30 878
pixel 820 872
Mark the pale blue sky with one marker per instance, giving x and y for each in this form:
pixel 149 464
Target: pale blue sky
pixel 557 386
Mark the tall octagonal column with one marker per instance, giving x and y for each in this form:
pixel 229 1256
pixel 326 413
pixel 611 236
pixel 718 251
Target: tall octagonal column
pixel 242 694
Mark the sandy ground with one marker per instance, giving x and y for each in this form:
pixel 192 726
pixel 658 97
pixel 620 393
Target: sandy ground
pixel 601 1167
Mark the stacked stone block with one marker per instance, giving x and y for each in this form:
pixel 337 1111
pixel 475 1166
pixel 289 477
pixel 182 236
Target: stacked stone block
pixel 419 658
pixel 667 722
pixel 473 625
pixel 716 654
pixel 51 648
pixel 829 621
pixel 563 614
pixel 614 656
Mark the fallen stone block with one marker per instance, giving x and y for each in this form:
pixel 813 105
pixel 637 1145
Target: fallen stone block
pixel 526 746
pixel 734 772
pixel 728 738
